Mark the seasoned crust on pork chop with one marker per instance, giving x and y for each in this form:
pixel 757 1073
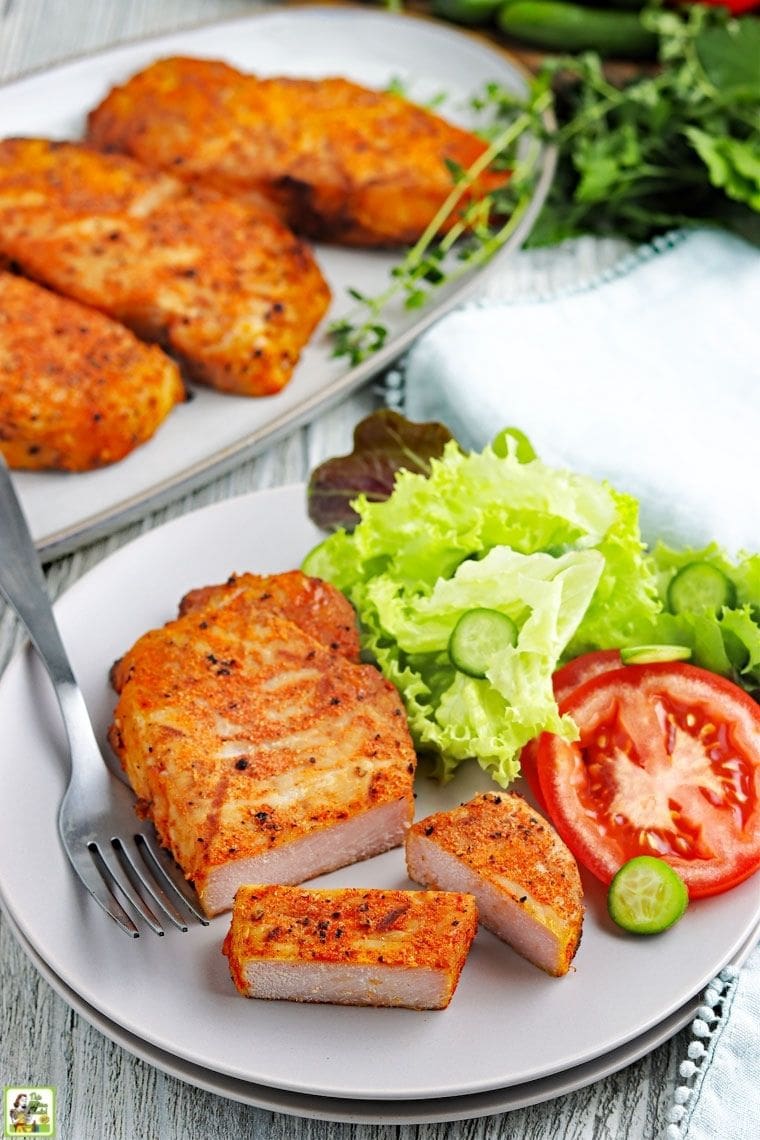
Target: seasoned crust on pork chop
pixel 314 605
pixel 260 754
pixel 77 390
pixel 350 946
pixel 337 161
pixel 525 879
pixel 224 286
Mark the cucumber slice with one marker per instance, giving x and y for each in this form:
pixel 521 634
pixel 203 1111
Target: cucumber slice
pixel 524 451
pixel 479 634
pixel 700 587
pixel 652 654
pixel 646 896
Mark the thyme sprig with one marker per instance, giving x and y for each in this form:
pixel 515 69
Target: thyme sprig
pixel 473 238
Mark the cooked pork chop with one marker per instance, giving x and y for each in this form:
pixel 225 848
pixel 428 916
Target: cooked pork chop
pixel 350 946
pixel 524 878
pixel 260 753
pixel 224 286
pixel 77 390
pixel 316 606
pixel 338 162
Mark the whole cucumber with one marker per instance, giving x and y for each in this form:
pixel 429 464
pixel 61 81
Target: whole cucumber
pixel 631 5
pixel 466 11
pixel 566 27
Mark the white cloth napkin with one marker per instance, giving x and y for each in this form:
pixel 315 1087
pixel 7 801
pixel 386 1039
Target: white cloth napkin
pixel 719 1094
pixel 647 374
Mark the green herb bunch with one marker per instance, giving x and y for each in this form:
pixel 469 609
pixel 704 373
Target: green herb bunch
pixel 676 144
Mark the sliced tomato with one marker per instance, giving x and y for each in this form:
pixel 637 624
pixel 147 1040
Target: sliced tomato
pixel 565 680
pixel 667 764
pixel 582 669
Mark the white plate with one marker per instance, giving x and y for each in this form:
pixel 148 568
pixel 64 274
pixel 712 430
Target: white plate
pixel 212 433
pixel 507 1024
pixel 373 1111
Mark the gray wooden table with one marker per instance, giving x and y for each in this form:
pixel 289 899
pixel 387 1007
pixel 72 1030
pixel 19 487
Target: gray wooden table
pixel 104 1092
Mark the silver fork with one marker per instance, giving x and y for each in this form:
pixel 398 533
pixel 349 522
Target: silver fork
pixel 111 851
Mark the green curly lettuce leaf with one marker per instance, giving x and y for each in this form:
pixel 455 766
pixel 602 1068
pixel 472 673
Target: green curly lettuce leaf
pixel 727 643
pixel 558 552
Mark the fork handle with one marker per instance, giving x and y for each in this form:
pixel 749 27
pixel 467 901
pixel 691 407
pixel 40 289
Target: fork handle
pixel 22 583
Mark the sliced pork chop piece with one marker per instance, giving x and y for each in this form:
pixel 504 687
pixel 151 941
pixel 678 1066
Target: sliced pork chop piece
pixel 225 287
pixel 523 876
pixel 77 390
pixel 337 161
pixel 350 946
pixel 316 606
pixel 260 754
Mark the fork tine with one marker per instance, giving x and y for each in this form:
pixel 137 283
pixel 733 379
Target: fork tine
pixel 169 877
pixel 144 876
pixel 92 879
pixel 113 874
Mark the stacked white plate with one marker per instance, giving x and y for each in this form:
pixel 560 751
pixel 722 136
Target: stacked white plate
pixel 511 1036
